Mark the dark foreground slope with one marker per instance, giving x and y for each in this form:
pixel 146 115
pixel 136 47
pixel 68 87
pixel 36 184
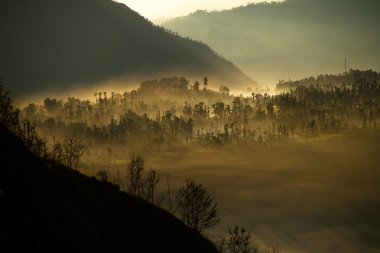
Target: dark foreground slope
pixel 47 209
pixel 49 44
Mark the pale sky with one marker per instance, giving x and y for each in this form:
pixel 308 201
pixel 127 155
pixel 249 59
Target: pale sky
pixel 155 9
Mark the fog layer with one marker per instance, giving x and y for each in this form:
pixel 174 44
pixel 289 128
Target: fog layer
pixel 312 197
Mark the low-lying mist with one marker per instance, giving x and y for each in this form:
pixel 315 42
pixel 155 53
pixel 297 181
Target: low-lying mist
pixel 311 197
pixel 319 196
pixel 299 169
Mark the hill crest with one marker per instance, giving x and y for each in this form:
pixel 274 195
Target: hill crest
pixel 49 43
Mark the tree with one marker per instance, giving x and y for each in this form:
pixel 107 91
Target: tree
pixel 196 208
pixel 73 149
pixel 151 181
pixel 196 86
pixel 32 140
pixel 239 240
pixel 57 152
pixel 205 82
pixel 183 83
pixel 218 109
pixel 135 175
pixel 224 90
pixel 170 195
pixel 52 106
pixel 9 115
pixel 105 96
pixel 103 175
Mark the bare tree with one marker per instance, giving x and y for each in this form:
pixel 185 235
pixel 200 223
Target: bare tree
pixel 26 131
pixel 151 180
pixel 73 149
pixel 31 139
pixel 170 195
pixel 9 115
pixel 57 152
pixel 196 208
pixel 103 175
pixel 135 171
pixel 239 241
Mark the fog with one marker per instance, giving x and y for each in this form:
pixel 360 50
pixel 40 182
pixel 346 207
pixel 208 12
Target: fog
pixel 299 169
pixel 311 197
pixel 171 8
pixel 144 108
pixel 317 196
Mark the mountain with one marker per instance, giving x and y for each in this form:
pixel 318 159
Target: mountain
pixel 46 208
pixel 53 44
pixel 290 39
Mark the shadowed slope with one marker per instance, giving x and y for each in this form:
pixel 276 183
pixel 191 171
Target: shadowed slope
pixel 56 44
pixel 56 209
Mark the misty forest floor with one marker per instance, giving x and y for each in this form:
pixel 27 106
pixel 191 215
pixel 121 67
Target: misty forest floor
pixel 320 196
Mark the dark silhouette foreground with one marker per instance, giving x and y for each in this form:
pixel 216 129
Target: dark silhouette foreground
pixel 50 208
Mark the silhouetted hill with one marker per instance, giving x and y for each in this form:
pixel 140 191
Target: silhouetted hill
pixel 292 39
pixel 55 209
pixel 49 44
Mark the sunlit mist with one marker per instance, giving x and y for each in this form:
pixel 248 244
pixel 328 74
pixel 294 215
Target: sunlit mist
pixel 154 9
pixel 186 126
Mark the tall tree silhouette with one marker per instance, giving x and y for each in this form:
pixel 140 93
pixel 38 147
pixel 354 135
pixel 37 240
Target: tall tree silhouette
pixel 9 115
pixel 135 171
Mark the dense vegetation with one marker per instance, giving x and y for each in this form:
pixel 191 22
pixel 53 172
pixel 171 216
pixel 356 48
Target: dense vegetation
pixel 169 114
pixel 178 166
pixel 106 135
pixel 50 207
pixel 351 77
pixel 68 211
pixel 290 39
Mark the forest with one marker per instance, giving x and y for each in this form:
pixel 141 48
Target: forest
pixel 241 127
pixel 144 140
pixel 171 115
pixel 31 126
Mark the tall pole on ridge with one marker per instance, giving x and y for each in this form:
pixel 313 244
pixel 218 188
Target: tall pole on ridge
pixel 345 65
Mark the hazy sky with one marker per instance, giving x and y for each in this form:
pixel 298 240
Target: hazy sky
pixel 154 9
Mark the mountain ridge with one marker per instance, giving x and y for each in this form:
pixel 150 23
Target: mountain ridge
pixel 290 39
pixel 49 44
